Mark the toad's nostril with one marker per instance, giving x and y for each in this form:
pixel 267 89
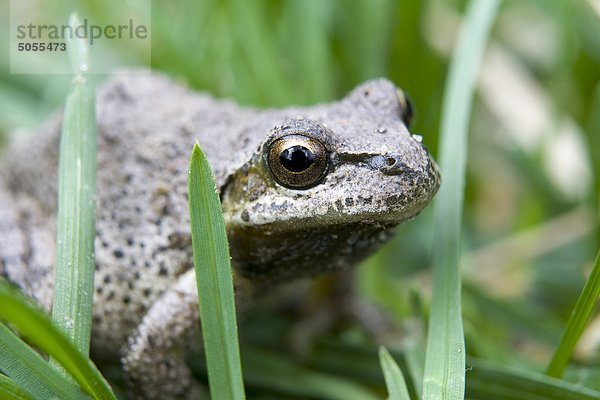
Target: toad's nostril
pixel 392 165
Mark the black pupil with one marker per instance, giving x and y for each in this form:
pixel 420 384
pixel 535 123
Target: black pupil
pixel 296 158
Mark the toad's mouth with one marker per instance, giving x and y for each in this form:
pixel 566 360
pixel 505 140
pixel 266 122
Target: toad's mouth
pixel 268 258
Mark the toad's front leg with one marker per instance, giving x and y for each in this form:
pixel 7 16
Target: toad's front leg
pixel 153 359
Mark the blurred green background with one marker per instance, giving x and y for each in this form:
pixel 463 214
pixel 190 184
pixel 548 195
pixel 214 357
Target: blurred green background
pixel 532 195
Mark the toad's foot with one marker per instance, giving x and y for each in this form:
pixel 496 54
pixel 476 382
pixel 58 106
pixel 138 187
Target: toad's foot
pixel 154 359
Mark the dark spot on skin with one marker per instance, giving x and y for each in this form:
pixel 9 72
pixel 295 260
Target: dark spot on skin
pixel 118 253
pixel 128 178
pixel 146 292
pixel 349 201
pixel 142 160
pixel 126 299
pixel 147 264
pixel 96 319
pixel 111 295
pixel 366 200
pixel 122 92
pixel 97 267
pixel 254 196
pixel 160 249
pixel 179 240
pixel 140 309
pixel 142 245
pixel 162 271
pixel 107 279
pixel 130 241
pixel 138 209
pixel 390 161
pixel 279 207
pixel 151 341
pixel 136 275
pixel 130 285
pixel 99 290
pixel 104 244
pixel 245 216
pixel 395 200
pixel 157 221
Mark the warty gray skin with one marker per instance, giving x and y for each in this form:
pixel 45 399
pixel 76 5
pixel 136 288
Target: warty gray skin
pixel 145 303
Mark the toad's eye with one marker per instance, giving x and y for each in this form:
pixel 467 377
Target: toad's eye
pixel 296 158
pixel 297 161
pixel 406 108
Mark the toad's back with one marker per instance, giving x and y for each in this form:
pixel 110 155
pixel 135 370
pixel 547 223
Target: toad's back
pixel 147 126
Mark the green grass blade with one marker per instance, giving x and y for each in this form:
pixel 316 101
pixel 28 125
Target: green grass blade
pixel 366 27
pixel 214 281
pixel 444 375
pixel 394 379
pixel 485 380
pixel 593 127
pixel 577 322
pixel 258 45
pixel 28 369
pixel 489 382
pixel 11 391
pixel 271 371
pixel 35 326
pixel 74 278
pixel 311 55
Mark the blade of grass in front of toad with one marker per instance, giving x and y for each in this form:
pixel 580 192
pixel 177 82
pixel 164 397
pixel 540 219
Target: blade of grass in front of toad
pixel 27 368
pixel 487 381
pixel 10 390
pixel 37 328
pixel 577 322
pixel 214 282
pixel 444 375
pixel 74 277
pixel 394 379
